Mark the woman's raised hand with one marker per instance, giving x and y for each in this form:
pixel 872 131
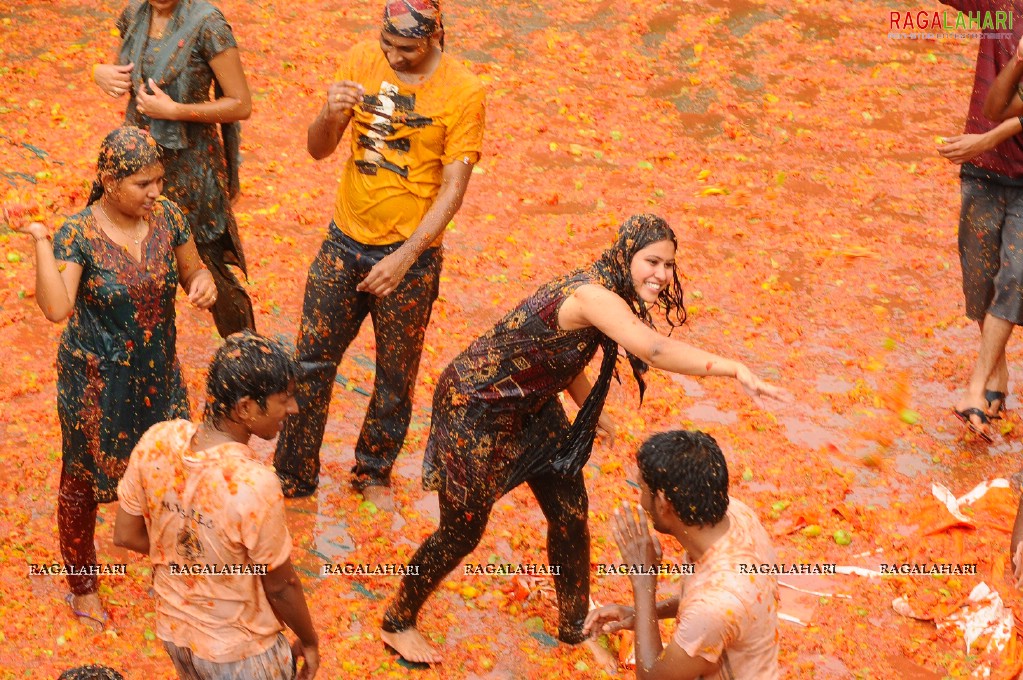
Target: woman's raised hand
pixel 19 218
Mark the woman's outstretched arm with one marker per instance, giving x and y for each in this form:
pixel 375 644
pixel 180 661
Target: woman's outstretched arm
pixel 593 305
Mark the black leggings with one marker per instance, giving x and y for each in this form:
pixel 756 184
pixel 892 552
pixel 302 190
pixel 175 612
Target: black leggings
pixel 563 502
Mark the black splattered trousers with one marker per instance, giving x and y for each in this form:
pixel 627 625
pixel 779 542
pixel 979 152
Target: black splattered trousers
pixel 332 313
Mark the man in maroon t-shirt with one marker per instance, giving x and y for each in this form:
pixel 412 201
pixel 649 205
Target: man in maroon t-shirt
pixel 991 218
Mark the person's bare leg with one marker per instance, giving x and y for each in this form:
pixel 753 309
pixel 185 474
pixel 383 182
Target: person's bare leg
pixel 411 645
pixel 994 336
pixel 999 382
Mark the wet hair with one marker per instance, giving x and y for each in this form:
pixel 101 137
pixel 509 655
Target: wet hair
pixel 615 267
pixel 688 466
pixel 246 365
pixel 124 151
pixel 613 270
pixel 91 672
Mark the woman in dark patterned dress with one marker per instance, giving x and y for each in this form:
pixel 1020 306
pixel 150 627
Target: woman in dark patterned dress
pixel 171 52
pixel 497 420
pixel 112 271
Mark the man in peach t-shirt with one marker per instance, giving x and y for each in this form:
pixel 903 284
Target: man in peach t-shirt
pixel 726 620
pixel 211 519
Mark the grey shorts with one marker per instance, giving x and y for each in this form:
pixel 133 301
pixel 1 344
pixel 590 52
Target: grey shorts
pixel 275 663
pixel 991 249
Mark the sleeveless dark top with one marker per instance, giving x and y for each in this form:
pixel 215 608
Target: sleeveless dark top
pixel 498 400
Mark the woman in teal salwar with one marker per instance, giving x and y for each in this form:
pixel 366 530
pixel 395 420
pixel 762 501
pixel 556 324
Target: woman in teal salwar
pixel 112 271
pixel 171 52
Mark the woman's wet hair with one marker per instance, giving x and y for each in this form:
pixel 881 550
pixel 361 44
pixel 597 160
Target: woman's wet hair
pixel 614 271
pixel 615 263
pixel 246 365
pixel 124 151
pixel 688 466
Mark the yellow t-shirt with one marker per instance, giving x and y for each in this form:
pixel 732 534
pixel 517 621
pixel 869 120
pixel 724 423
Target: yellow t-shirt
pixel 215 520
pixel 402 137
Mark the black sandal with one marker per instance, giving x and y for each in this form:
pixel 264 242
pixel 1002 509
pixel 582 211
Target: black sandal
pixel 992 396
pixel 966 417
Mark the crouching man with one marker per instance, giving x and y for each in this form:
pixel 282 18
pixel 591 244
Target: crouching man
pixel 725 620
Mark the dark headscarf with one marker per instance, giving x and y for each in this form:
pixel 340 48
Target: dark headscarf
pixel 124 152
pixel 413 18
pixel 613 270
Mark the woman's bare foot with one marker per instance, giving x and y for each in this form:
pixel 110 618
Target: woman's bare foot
pixel 602 657
pixel 379 496
pixel 411 645
pixel 89 610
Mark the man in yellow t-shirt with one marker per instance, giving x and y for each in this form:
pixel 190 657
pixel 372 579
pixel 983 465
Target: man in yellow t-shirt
pixel 416 117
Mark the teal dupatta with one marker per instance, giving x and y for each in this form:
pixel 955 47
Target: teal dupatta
pixel 170 73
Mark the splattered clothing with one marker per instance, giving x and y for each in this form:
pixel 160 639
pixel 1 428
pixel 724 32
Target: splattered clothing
pixel 991 249
pixel 211 512
pixel 401 137
pixel 994 51
pixel 201 177
pixel 499 398
pixel 991 215
pixel 729 616
pixel 332 314
pixel 496 405
pixel 276 663
pixel 117 368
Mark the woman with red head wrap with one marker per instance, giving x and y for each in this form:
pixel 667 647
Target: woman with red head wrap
pixel 112 271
